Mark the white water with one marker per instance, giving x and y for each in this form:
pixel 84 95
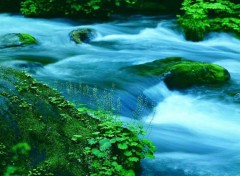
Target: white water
pixel 197 132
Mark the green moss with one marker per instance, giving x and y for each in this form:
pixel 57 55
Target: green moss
pixel 31 116
pixel 27 39
pixel 16 40
pixel 179 73
pixel 82 35
pixel 185 75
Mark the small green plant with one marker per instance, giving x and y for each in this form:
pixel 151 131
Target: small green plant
pixel 115 148
pixel 41 170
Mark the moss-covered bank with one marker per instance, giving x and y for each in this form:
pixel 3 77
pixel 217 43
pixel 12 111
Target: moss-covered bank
pixel 60 140
pixel 32 112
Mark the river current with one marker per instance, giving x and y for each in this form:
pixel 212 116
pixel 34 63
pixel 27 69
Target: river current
pixel 196 131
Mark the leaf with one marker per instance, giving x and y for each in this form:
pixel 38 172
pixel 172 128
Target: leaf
pixel 129 173
pixel 76 137
pixel 92 141
pixel 117 3
pixel 98 153
pixel 133 159
pixel 96 7
pixel 149 156
pixel 96 133
pixel 123 146
pixel 134 143
pixel 105 144
pixel 128 153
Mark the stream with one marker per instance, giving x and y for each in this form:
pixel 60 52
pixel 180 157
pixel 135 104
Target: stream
pixel 196 131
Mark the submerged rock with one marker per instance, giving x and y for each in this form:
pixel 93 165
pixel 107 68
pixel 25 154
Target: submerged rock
pixel 180 73
pixel 82 35
pixel 16 39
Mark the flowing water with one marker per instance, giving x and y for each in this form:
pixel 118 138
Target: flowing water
pixel 196 131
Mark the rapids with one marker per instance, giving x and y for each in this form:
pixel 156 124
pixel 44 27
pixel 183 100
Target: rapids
pixel 197 131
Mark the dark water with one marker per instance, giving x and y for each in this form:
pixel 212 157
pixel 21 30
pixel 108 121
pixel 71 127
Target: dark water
pixel 197 132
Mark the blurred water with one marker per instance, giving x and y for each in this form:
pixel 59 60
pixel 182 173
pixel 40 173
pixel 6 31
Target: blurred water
pixel 197 132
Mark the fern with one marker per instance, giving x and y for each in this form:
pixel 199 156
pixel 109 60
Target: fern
pixel 201 17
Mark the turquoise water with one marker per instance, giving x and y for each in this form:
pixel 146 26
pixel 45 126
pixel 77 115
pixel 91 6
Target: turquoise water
pixel 197 131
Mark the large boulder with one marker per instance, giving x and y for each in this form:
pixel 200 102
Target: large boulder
pixel 180 73
pixel 82 35
pixel 16 39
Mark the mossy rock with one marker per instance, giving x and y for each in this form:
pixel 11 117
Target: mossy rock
pixel 180 73
pixel 32 112
pixel 82 35
pixel 16 39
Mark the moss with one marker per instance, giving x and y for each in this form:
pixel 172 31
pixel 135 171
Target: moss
pixel 180 73
pixel 186 75
pixel 16 40
pixel 32 117
pixel 27 39
pixel 82 35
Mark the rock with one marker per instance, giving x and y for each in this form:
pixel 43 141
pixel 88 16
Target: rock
pixel 82 35
pixel 16 39
pixel 180 73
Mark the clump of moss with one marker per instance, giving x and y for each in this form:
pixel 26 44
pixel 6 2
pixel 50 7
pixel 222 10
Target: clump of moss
pixel 27 39
pixel 82 35
pixel 16 40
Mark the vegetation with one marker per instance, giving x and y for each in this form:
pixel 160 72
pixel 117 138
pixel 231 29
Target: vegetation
pixel 43 134
pixel 89 8
pixel 198 19
pixel 85 8
pixel 202 16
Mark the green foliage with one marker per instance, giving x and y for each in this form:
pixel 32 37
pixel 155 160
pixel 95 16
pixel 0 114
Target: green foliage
pixel 72 7
pixel 41 170
pixel 20 152
pixel 202 16
pixel 117 148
